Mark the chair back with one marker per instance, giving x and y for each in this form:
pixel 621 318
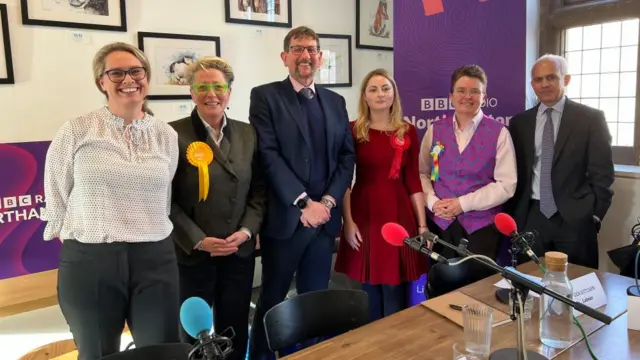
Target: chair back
pixel 177 351
pixel 315 314
pixel 443 278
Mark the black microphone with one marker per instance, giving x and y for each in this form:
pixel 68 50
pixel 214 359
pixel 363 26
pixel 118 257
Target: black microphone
pixel 522 241
pixel 396 235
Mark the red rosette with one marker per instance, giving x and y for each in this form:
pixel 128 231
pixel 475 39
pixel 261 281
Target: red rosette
pixel 400 145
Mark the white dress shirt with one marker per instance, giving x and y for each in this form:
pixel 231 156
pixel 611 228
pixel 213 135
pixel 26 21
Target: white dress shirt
pixel 105 181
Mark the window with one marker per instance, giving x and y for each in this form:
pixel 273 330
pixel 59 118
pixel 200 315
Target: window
pixel 603 63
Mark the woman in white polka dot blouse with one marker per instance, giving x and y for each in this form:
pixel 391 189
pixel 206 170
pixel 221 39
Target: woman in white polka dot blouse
pixel 107 184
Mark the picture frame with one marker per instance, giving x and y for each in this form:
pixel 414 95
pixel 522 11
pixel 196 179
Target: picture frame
pixel 336 70
pixel 169 55
pixel 106 15
pixel 374 24
pixel 241 12
pixel 6 59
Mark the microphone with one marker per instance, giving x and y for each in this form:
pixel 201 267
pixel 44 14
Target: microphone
pixel 397 235
pixel 196 318
pixel 507 226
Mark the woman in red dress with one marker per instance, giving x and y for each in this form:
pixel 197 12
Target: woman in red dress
pixel 387 188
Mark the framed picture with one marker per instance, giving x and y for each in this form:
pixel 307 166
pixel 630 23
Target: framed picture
pixel 82 14
pixel 336 61
pixel 169 55
pixel 258 12
pixel 374 24
pixel 6 61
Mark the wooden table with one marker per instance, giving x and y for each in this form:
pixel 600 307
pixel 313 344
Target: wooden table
pixel 420 333
pixel 28 292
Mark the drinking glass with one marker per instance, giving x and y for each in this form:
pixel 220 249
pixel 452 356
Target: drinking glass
pixel 478 324
pixel 461 353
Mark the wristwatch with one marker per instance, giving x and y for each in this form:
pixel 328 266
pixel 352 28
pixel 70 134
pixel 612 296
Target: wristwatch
pixel 302 203
pixel 326 202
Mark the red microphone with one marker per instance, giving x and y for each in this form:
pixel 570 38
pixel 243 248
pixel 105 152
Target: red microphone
pixel 394 234
pixel 508 227
pixel 397 235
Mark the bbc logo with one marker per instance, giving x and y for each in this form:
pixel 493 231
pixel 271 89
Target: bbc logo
pixel 12 202
pixel 438 104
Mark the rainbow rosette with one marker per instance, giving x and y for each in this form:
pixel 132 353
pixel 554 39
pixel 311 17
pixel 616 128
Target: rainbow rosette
pixel 200 155
pixel 436 150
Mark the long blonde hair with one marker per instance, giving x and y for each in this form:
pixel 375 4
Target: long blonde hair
pixel 99 65
pixel 361 127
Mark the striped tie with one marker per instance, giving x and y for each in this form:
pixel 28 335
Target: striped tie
pixel 547 203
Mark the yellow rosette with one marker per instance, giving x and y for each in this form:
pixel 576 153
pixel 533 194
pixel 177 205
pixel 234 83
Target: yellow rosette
pixel 200 155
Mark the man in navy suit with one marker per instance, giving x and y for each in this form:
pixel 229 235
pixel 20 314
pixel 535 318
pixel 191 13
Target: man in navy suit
pixel 307 153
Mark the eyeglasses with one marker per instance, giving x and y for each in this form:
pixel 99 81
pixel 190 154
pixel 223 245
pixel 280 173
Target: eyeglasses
pixel 118 75
pixel 298 50
pixel 204 88
pixel 472 92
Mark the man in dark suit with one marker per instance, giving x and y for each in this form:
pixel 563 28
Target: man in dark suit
pixel 216 232
pixel 307 154
pixel 565 167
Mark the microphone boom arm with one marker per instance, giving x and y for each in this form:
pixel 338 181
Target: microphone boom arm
pixel 518 280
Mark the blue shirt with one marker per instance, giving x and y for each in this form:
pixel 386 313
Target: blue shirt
pixel 541 120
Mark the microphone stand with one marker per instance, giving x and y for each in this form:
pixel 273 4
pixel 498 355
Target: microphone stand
pixel 516 248
pixel 520 286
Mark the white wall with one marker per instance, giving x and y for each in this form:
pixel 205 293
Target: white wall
pixel 54 78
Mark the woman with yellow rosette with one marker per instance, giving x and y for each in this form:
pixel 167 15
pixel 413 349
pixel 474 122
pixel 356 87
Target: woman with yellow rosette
pixel 218 202
pixel 107 183
pixel 468 169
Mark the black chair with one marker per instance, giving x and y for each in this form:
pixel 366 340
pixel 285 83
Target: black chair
pixel 443 278
pixel 313 315
pixel 178 351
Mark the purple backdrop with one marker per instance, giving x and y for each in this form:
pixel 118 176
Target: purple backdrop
pixel 434 37
pixel 428 48
pixel 22 249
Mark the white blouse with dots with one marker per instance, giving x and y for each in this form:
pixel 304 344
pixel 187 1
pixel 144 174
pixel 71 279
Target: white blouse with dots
pixel 105 181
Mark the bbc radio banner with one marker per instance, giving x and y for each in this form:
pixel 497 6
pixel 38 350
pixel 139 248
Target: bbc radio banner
pixel 22 248
pixel 434 37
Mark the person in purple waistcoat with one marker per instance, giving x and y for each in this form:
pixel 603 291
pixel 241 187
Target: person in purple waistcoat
pixel 468 169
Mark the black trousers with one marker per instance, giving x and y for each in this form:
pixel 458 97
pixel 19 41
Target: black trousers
pixel 100 286
pixel 308 254
pixel 225 283
pixel 485 241
pixel 578 240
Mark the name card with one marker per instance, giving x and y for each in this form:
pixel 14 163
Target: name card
pixel 588 290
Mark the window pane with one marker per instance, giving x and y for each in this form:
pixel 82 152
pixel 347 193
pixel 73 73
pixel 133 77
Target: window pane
pixel 590 102
pixel 610 108
pixel 591 62
pixel 609 85
pixel 610 60
pixel 574 39
pixel 590 86
pixel 627 110
pixel 630 32
pixel 574 62
pixel 611 34
pixel 625 134
pixel 591 37
pixel 613 130
pixel 629 58
pixel 628 84
pixel 573 89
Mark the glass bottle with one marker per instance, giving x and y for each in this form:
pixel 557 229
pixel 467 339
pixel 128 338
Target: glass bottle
pixel 556 317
